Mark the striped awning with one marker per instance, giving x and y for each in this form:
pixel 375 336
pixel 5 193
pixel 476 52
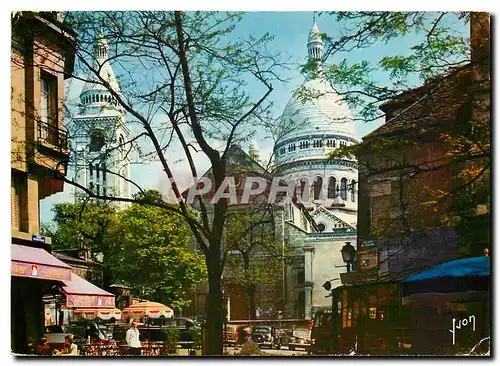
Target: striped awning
pixel 148 308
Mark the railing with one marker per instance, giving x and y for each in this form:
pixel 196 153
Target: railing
pixel 53 135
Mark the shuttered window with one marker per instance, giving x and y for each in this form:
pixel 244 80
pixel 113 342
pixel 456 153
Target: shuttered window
pixel 15 206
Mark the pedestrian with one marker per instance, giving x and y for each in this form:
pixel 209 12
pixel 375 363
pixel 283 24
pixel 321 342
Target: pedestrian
pixel 43 349
pixel 133 342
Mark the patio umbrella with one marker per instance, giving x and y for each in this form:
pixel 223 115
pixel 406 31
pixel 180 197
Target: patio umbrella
pixel 91 314
pixel 153 310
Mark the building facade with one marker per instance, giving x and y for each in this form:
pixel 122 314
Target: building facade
pixel 42 56
pixel 100 142
pixel 322 216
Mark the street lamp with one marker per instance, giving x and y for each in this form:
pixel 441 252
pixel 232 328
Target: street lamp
pixel 348 253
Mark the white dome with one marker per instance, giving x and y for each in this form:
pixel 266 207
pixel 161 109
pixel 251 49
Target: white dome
pixel 320 112
pixel 107 74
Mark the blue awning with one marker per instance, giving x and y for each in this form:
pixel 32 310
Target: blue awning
pixel 468 267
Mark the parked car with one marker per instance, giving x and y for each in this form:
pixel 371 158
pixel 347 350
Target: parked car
pixel 301 338
pixel 265 335
pixel 55 335
pixel 82 331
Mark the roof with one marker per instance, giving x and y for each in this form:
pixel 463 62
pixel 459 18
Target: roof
pixel 79 286
pixel 21 253
pixel 431 105
pixel 65 257
pixel 468 267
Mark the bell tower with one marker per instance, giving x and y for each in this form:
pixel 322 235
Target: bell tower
pixel 100 136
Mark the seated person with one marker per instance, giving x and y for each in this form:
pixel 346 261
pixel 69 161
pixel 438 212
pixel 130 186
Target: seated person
pixel 70 349
pixel 43 349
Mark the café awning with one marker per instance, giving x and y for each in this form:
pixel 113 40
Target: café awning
pixel 83 294
pixel 93 313
pixel 37 263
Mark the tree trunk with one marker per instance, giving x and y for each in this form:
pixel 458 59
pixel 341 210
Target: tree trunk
pixel 215 316
pixel 250 288
pixel 251 298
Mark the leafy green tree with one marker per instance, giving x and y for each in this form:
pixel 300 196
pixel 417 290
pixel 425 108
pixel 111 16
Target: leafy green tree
pixel 80 225
pixel 141 246
pixel 255 258
pixel 149 251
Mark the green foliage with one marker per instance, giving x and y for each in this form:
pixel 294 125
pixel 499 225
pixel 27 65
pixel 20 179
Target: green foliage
pixel 144 246
pixel 255 257
pixel 150 251
pixel 172 336
pixel 80 225
pixel 440 43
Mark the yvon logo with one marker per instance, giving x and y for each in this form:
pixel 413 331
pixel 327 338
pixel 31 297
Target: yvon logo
pixel 459 323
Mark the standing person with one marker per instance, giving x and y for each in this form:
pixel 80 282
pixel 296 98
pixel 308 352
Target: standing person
pixel 133 341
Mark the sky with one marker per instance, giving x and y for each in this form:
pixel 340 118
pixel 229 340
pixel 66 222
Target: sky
pixel 290 30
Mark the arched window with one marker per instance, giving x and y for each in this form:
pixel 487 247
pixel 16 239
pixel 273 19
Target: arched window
pixel 318 183
pixel 102 98
pixel 304 196
pixel 343 189
pixel 96 140
pixel 353 190
pixel 331 187
pixel 93 98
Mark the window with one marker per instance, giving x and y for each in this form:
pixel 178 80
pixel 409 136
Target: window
pixel 343 189
pixel 353 191
pixel 48 107
pixel 317 143
pixel 96 140
pixel 19 202
pixel 301 277
pixel 104 172
pixel 91 170
pixel 318 183
pixel 97 171
pixel 303 183
pixel 291 147
pixel 282 151
pixel 330 143
pixel 331 187
pixel 321 227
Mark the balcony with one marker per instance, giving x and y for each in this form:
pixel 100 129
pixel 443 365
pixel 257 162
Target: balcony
pixel 52 136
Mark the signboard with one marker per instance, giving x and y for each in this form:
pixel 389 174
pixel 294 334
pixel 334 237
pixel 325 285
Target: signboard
pixel 43 272
pixel 369 243
pixel 38 238
pixel 368 260
pixel 88 301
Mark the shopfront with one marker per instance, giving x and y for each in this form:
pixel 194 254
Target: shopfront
pixel 34 272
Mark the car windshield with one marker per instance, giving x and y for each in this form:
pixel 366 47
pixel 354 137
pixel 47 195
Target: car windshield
pixel 261 330
pixel 302 333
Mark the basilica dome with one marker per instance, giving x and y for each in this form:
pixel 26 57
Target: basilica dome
pixel 317 108
pixel 315 120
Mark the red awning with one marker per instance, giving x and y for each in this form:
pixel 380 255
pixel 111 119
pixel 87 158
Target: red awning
pixel 37 263
pixel 83 294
